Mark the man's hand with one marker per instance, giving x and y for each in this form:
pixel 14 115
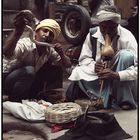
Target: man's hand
pixel 99 66
pixel 20 22
pixel 58 48
pixel 108 74
pixel 65 59
pixel 105 73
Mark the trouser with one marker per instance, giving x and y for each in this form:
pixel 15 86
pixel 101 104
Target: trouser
pixel 119 91
pixel 24 83
pixel 51 76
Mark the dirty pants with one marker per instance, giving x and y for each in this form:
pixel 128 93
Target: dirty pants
pixel 24 83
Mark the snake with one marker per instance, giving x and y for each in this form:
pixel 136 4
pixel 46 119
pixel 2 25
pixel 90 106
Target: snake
pixel 32 37
pixel 31 18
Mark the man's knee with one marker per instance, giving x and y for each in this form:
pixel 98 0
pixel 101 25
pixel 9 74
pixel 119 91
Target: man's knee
pixel 126 56
pixel 23 75
pixel 30 71
pixel 21 72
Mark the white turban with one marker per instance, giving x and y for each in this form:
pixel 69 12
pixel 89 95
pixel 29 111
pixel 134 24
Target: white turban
pixel 51 25
pixel 106 15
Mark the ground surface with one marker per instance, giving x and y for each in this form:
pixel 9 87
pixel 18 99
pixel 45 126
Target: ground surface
pixel 128 120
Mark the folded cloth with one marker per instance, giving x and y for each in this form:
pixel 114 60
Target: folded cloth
pixel 59 127
pixel 27 110
pixel 96 126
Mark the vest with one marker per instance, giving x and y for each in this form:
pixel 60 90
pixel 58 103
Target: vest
pixel 93 41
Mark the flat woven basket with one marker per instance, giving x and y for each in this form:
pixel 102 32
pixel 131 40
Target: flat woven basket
pixel 63 112
pixel 92 107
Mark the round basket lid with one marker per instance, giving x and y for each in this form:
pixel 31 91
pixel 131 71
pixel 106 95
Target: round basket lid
pixel 63 112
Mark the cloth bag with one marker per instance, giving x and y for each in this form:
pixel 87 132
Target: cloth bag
pixel 96 126
pixel 27 110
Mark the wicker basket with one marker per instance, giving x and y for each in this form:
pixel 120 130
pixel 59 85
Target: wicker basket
pixel 94 105
pixel 63 112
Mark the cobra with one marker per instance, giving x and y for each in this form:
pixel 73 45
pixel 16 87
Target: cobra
pixel 31 17
pixel 32 37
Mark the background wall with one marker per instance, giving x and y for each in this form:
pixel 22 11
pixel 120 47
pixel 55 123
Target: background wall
pixel 125 7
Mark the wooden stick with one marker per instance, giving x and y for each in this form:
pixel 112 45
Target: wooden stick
pixel 102 82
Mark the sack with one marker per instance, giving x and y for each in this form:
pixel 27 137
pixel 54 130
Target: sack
pixel 27 110
pixel 95 126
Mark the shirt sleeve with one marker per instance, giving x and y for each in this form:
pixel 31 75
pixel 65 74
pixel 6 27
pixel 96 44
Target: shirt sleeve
pixel 128 74
pixel 23 46
pixel 55 57
pixel 86 54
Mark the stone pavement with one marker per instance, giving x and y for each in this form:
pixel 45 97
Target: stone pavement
pixel 15 129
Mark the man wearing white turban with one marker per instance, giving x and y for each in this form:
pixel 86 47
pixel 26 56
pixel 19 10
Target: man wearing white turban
pixel 27 66
pixel 114 83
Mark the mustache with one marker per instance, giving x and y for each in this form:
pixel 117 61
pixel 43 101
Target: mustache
pixel 45 39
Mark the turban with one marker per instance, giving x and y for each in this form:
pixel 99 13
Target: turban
pixel 107 15
pixel 51 25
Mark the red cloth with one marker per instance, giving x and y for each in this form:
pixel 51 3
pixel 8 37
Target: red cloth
pixel 58 127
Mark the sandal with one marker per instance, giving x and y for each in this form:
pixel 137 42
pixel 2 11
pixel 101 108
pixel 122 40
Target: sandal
pixel 126 106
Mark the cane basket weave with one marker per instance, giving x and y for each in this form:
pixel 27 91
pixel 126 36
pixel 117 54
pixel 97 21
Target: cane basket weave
pixel 94 105
pixel 63 112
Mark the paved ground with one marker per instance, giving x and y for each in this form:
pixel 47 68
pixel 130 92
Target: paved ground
pixel 126 119
pixel 16 129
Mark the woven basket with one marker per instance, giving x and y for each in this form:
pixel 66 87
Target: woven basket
pixel 95 105
pixel 63 112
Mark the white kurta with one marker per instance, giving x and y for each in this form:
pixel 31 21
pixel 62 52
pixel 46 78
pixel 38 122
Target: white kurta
pixel 86 68
pixel 26 54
